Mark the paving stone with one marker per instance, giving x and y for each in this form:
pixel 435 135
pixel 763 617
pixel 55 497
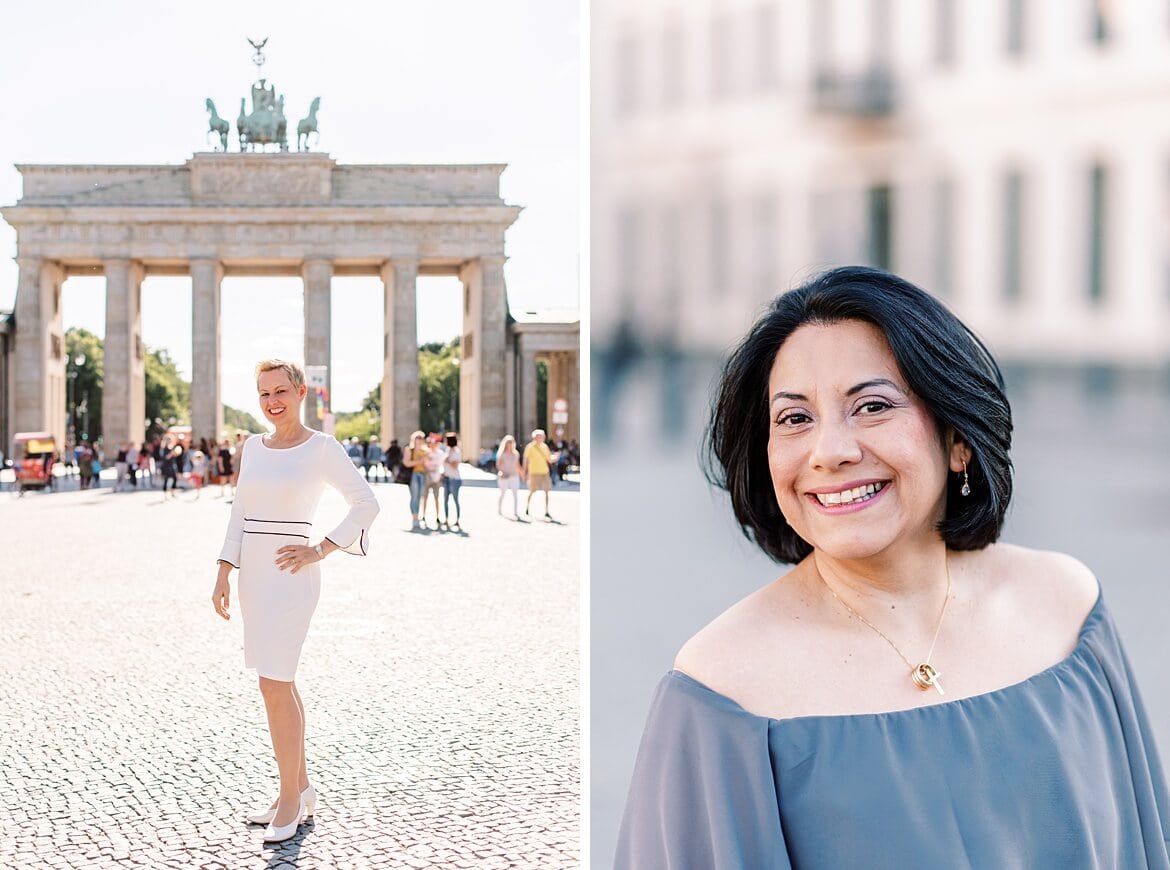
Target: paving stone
pixel 440 681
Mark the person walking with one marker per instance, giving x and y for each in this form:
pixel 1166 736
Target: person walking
pixel 95 463
pixel 145 460
pixel 169 466
pixel 414 458
pixel 374 459
pixel 132 464
pixel 537 464
pixel 356 454
pixel 198 470
pixel 85 465
pixel 452 480
pixel 280 479
pixel 509 473
pixel 120 466
pixel 393 460
pixel 224 469
pixel 434 483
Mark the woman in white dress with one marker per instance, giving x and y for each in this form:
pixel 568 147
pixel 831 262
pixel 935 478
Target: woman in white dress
pixel 281 478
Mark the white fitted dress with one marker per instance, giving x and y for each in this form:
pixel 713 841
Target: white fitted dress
pixel 276 498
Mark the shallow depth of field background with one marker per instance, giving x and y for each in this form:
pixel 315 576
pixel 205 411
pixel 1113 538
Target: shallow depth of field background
pixel 1012 157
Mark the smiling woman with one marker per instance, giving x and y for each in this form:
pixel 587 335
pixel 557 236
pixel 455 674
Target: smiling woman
pixel 862 432
pixel 281 479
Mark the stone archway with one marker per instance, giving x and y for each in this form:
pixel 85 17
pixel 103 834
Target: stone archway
pixel 259 214
pixel 558 345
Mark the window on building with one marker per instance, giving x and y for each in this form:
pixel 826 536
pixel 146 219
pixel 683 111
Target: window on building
pixel 1013 243
pixel 820 50
pixel 765 25
pixel 719 233
pixel 766 241
pixel 944 33
pixel 944 194
pixel 881 230
pixel 626 78
pixel 672 64
pixel 1100 31
pixel 1098 251
pixel 671 270
pixel 1017 28
pixel 881 34
pixel 629 245
pixel 721 55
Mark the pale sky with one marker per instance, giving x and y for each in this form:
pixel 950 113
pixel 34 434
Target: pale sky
pixel 447 81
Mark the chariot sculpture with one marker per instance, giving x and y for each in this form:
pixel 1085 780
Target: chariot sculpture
pixel 266 124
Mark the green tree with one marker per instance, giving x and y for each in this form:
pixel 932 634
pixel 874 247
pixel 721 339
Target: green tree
pixel 234 419
pixel 168 396
pixel 372 403
pixel 358 423
pixel 86 407
pixel 438 385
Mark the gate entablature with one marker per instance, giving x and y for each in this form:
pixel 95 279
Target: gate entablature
pixel 259 214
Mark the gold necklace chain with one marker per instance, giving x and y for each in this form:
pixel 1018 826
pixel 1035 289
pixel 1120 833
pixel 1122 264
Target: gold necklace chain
pixel 923 674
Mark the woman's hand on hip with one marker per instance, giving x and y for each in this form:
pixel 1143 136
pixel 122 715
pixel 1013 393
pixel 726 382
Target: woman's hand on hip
pixel 293 557
pixel 221 597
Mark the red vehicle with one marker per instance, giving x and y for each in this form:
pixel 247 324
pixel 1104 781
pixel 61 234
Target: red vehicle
pixel 33 464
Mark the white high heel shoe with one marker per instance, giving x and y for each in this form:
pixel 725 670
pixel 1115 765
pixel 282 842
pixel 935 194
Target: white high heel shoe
pixel 273 834
pixel 308 798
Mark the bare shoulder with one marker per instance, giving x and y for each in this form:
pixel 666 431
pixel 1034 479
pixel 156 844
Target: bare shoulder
pixel 727 654
pixel 1052 586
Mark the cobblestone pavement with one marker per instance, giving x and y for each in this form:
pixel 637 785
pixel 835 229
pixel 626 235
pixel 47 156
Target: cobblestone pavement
pixel 440 680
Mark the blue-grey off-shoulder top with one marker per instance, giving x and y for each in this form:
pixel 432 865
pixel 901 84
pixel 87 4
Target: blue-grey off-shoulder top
pixel 1059 771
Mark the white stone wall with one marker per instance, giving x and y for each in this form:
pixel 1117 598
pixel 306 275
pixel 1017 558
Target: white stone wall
pixel 717 181
pixel 255 214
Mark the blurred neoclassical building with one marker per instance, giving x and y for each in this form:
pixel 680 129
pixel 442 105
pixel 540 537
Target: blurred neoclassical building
pixel 1012 156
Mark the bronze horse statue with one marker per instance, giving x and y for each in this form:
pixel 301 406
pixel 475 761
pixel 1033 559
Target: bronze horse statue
pixel 217 125
pixel 308 125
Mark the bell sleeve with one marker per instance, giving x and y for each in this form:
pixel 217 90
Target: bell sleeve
pixel 702 796
pixel 352 533
pixel 1137 750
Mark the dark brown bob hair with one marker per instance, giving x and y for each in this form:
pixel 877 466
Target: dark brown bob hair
pixel 944 363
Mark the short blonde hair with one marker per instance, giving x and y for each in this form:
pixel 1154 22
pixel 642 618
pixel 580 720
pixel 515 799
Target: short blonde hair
pixel 295 373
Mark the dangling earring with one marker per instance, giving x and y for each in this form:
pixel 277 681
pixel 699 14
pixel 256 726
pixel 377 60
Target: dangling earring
pixel 965 489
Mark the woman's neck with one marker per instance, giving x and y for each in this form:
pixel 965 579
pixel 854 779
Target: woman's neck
pixel 912 582
pixel 288 433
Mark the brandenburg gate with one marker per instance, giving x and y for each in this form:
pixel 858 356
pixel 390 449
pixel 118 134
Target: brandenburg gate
pixel 259 214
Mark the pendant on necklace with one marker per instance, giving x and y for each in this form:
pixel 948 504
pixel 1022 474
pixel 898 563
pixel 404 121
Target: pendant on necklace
pixel 926 677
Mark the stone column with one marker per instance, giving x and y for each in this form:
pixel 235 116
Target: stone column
pixel 573 430
pixel 206 402
pixel 511 408
pixel 39 395
pixel 493 324
pixel 557 380
pixel 526 387
pixel 318 277
pixel 483 398
pixel 400 398
pixel 1134 210
pixel 469 429
pixel 124 371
